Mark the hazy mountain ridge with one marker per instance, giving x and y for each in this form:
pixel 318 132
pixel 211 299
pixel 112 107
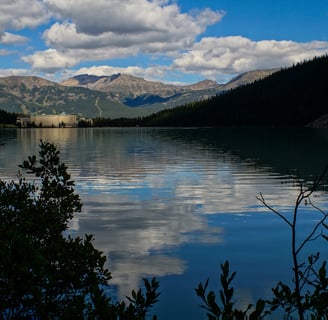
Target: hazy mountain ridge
pixel 113 96
pixel 123 86
pixel 138 92
pixel 138 86
pixel 28 81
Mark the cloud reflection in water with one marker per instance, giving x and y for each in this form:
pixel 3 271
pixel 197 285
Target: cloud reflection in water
pixel 146 193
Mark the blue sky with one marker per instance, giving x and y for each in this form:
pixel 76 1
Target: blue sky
pixel 176 41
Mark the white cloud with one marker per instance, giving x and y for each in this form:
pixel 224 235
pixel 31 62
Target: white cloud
pixel 20 14
pixel 10 38
pixel 50 61
pixel 222 58
pixel 88 30
pixel 219 57
pixel 100 30
pixel 14 72
pixel 214 58
pixel 130 16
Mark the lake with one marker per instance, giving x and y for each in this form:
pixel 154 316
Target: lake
pixel 175 203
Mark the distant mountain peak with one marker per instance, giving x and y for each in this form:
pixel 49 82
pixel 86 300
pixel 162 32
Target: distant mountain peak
pixel 135 85
pixel 204 84
pixel 85 79
pixel 28 81
pixel 249 77
pixel 138 92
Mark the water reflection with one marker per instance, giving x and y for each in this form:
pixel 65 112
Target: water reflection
pixel 169 201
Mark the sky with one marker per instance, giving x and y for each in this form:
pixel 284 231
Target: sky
pixel 172 41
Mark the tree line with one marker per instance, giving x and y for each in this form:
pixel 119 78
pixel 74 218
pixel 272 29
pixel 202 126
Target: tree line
pixel 7 118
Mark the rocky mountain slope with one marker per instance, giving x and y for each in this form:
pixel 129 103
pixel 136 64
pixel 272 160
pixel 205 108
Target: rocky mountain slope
pixel 112 96
pixel 248 77
pixel 137 92
pixel 129 85
pixel 122 86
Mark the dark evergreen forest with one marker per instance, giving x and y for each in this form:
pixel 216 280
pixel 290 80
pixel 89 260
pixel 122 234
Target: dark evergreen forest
pixel 7 117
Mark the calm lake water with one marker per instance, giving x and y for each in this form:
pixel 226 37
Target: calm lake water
pixel 175 203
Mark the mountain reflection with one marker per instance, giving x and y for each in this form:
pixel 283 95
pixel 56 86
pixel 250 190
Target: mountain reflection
pixel 147 192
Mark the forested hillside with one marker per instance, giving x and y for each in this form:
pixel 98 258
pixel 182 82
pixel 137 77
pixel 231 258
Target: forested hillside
pixel 291 97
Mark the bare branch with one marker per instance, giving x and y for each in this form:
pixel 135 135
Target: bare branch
pixel 325 214
pixel 311 237
pixel 262 200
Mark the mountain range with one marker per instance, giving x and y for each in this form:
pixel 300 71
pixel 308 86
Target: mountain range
pixel 114 96
pixel 292 97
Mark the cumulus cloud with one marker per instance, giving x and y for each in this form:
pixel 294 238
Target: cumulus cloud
pixel 20 14
pixel 217 57
pixel 65 36
pixel 90 31
pixel 222 58
pixel 10 38
pixel 50 61
pixel 110 29
pixel 14 72
pixel 130 16
pixel 102 30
